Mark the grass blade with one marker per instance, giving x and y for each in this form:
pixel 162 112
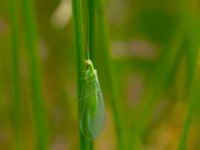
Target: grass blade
pixel 105 45
pixel 193 54
pixel 163 72
pixel 37 98
pixel 16 96
pixel 91 28
pixel 79 41
pixel 91 38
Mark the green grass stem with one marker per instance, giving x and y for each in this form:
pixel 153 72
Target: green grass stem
pixel 105 45
pixel 194 36
pixel 91 7
pixel 37 98
pixel 91 28
pixel 16 96
pixel 163 73
pixel 194 97
pixel 79 41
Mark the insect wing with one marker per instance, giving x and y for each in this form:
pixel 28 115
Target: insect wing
pixel 92 106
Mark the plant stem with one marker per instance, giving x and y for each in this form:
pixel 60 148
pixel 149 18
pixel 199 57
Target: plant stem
pixel 37 98
pixel 91 28
pixel 105 45
pixel 148 102
pixel 17 115
pixel 194 36
pixel 79 38
pixel 91 38
pixel 163 72
pixel 194 97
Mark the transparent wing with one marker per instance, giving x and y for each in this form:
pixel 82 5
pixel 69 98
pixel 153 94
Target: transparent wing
pixel 92 108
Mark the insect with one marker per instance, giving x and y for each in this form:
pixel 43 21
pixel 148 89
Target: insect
pixel 92 109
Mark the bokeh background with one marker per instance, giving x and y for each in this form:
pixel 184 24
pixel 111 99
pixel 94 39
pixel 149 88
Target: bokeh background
pixel 141 35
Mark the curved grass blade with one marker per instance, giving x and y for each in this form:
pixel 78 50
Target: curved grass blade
pixel 92 104
pixel 192 107
pixel 149 100
pixel 193 55
pixel 164 72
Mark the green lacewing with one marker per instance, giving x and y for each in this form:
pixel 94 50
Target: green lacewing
pixel 92 109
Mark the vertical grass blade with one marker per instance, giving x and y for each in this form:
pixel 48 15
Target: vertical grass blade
pixel 191 108
pixel 16 96
pixel 91 38
pixel 163 72
pixel 91 28
pixel 149 101
pixel 37 98
pixel 105 45
pixel 194 86
pixel 194 97
pixel 79 41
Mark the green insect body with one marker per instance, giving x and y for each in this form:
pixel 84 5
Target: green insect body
pixel 92 109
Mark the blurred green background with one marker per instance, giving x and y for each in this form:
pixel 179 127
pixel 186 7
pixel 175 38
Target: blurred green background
pixel 144 45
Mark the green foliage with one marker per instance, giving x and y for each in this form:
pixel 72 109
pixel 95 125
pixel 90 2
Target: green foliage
pixel 145 96
pixel 33 60
pixel 16 95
